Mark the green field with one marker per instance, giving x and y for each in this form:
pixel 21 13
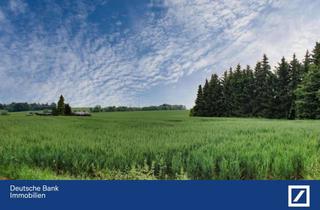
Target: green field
pixel 157 145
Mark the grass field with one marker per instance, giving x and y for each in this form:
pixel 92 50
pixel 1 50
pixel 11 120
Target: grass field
pixel 157 145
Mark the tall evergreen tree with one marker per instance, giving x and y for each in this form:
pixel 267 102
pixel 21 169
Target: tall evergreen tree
pixel 283 92
pixel 206 99
pixel 242 89
pixel 258 89
pixel 306 63
pixel 199 103
pixel 316 54
pixel 227 93
pixel 264 92
pixel 296 77
pixel 248 92
pixel 295 72
pixel 215 97
pixel 308 95
pixel 237 88
pixel 60 109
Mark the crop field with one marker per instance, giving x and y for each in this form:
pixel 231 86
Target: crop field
pixel 157 145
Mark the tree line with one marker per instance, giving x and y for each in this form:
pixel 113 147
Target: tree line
pixel 290 91
pixel 19 107
pixel 61 108
pixel 98 108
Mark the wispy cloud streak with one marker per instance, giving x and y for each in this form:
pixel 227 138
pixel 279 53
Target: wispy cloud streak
pixel 101 58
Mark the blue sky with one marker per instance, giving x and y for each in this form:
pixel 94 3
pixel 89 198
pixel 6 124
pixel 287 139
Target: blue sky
pixel 141 52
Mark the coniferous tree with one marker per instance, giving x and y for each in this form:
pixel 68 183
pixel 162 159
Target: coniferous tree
pixel 237 90
pixel 258 89
pixel 206 99
pixel 264 96
pixel 283 92
pixel 295 72
pixel 293 90
pixel 308 95
pixel 269 89
pixel 245 98
pixel 60 109
pixel 227 93
pixel 239 95
pixel 215 96
pixel 295 77
pixel 316 54
pixel 272 82
pixel 306 63
pixel 248 92
pixel 199 104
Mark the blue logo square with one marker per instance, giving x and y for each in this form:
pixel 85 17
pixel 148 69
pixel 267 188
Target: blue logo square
pixel 298 196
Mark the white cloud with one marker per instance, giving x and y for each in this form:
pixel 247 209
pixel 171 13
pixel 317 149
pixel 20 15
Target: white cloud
pixel 111 69
pixel 287 30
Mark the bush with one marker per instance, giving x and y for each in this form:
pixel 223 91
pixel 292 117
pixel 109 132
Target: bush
pixel 67 109
pixel 4 112
pixel 55 111
pixel 97 108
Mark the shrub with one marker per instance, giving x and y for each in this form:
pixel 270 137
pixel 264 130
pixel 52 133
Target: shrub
pixel 67 109
pixel 4 112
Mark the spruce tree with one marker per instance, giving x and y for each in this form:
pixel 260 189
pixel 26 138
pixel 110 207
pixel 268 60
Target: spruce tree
pixel 295 77
pixel 306 63
pixel 242 91
pixel 264 90
pixel 206 99
pixel 226 94
pixel 269 88
pixel 316 54
pixel 60 109
pixel 237 89
pixel 199 103
pixel 308 95
pixel 283 92
pixel 258 88
pixel 215 97
pixel 248 92
pixel 295 72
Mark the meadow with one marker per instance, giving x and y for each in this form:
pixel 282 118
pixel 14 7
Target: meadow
pixel 157 145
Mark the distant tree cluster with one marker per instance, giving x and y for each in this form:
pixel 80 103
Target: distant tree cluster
pixel 19 107
pixel 291 91
pixel 62 108
pixel 98 108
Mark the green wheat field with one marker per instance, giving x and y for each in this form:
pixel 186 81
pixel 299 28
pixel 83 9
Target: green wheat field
pixel 157 145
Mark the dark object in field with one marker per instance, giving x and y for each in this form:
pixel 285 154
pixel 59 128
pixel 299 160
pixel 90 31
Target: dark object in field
pixel 43 114
pixel 84 114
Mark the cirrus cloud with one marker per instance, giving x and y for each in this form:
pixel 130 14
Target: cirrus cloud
pixel 108 53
